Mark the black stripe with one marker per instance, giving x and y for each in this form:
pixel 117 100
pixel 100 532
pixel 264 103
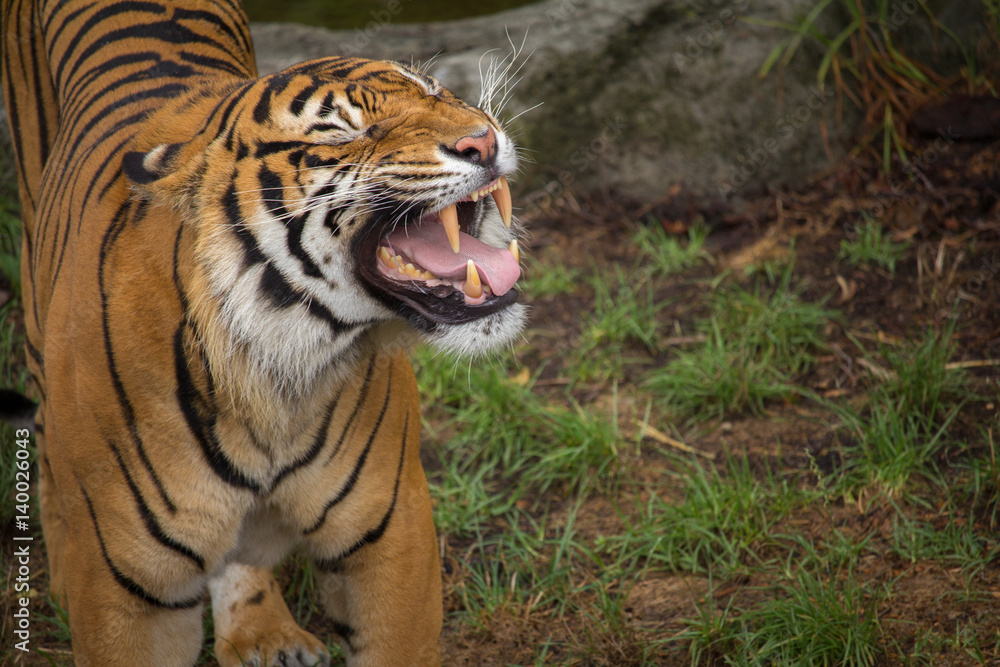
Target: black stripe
pixel 252 253
pixel 237 97
pixel 202 423
pixel 53 37
pixel 44 138
pixel 280 292
pixel 234 12
pixel 35 354
pixel 208 17
pixel 356 472
pixel 353 97
pixel 414 176
pixel 148 518
pixel 314 162
pixel 320 440
pixel 376 533
pixel 326 106
pixel 271 193
pixel 277 289
pixel 262 110
pixel 271 147
pixel 274 83
pixel 340 71
pixel 160 69
pixel 162 31
pixel 299 103
pixel 81 84
pixel 117 222
pixel 99 17
pixel 338 326
pixel 176 269
pixel 166 91
pixel 362 397
pixel 116 175
pixel 210 63
pixel 322 127
pixel 125 582
pixel 13 110
pixel 332 218
pixel 139 213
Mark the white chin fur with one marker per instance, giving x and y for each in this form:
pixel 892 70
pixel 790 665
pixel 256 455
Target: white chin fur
pixel 482 337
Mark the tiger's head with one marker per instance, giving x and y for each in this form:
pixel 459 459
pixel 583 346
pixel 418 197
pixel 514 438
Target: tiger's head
pixel 340 194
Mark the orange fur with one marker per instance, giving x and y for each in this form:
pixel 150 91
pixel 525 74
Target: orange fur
pixel 202 412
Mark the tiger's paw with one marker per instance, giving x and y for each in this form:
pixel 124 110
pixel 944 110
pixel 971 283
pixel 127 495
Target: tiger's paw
pixel 282 647
pixel 253 626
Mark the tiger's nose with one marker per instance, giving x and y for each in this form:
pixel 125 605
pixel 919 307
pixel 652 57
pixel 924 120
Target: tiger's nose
pixel 479 148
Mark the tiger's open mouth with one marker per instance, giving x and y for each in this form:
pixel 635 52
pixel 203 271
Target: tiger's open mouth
pixel 434 267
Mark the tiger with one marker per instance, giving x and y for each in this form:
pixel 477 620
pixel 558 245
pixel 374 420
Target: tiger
pixel 223 276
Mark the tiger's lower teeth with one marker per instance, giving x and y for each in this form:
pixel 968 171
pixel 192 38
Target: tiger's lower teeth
pixel 397 265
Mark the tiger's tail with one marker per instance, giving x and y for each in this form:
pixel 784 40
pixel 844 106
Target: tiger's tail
pixel 17 410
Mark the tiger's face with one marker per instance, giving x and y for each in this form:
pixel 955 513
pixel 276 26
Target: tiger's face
pixel 349 193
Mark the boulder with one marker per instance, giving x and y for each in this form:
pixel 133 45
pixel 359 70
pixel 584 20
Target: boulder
pixel 627 97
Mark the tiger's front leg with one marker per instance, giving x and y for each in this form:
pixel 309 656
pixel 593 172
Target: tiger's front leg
pixel 253 625
pixel 385 597
pixel 125 610
pixel 375 547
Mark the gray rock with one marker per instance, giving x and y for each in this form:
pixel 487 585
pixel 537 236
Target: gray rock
pixel 635 94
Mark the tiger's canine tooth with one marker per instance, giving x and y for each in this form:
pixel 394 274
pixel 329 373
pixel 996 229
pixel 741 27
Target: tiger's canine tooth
pixel 474 196
pixel 449 218
pixel 385 256
pixel 515 251
pixel 502 197
pixel 473 286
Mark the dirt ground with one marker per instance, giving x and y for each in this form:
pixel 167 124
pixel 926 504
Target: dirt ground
pixel 951 213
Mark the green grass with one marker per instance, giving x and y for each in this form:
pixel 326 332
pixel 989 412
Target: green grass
pixel 10 216
pixel 717 524
pixel 758 341
pixel 528 564
pixel 807 618
pixel 872 246
pixel 664 254
pixel 13 373
pixel 954 541
pixel 814 618
pixel 558 523
pixel 908 417
pixel 623 325
pixel 502 438
pixel 978 482
pixel 543 281
pixel 866 64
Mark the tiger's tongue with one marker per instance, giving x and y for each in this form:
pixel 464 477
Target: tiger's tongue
pixel 428 246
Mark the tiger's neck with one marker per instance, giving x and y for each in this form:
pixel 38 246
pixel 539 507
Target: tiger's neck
pixel 268 365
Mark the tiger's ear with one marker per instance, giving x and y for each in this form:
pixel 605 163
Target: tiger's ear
pixel 145 168
pixel 164 174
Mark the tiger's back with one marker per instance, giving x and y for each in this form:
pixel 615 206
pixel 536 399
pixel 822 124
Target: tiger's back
pixel 219 270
